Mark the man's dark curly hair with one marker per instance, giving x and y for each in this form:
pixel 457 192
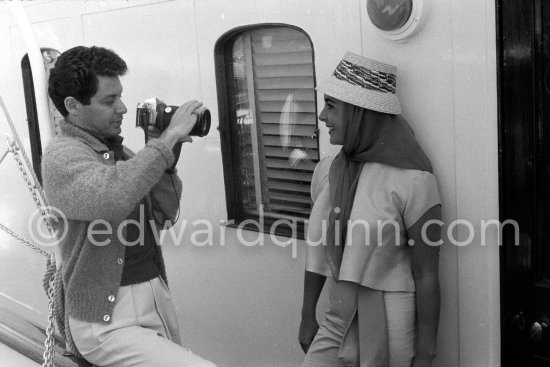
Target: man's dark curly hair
pixel 76 71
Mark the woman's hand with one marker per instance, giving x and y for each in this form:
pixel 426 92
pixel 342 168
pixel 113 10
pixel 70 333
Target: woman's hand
pixel 308 329
pixel 313 285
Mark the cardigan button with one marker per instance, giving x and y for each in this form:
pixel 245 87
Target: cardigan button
pixel 119 261
pixel 106 318
pixel 106 155
pixel 111 298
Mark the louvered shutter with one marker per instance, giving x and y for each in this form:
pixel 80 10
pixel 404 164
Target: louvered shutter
pixel 276 122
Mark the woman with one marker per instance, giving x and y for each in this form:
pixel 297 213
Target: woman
pixel 371 232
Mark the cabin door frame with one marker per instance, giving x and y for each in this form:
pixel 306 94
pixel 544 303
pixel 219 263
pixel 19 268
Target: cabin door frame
pixel 523 39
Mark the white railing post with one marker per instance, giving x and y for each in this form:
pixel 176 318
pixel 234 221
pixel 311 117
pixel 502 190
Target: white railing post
pixel 38 72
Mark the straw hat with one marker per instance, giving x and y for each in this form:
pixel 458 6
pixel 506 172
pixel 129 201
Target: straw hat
pixel 365 83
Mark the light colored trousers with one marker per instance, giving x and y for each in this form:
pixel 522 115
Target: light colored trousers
pixel 143 332
pixel 326 349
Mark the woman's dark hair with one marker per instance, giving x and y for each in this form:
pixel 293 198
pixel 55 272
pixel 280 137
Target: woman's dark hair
pixel 76 71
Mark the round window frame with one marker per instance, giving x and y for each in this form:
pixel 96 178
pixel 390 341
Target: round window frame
pixel 414 24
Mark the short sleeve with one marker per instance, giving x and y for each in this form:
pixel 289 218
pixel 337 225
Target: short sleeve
pixel 320 177
pixel 316 258
pixel 316 261
pixel 423 195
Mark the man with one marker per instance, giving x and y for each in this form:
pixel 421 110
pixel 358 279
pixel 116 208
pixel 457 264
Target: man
pixel 117 306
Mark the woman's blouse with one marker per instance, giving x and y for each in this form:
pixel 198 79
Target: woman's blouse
pixel 388 201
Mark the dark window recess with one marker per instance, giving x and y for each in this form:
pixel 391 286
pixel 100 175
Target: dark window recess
pixel 268 125
pixel 49 56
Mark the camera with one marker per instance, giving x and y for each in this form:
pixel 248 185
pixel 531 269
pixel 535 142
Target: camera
pixel 154 112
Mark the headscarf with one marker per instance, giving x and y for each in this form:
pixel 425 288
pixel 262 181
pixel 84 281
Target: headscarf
pixel 370 137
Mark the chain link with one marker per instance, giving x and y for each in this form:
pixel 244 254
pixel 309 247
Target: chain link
pixel 49 351
pixel 36 191
pixel 36 194
pixel 24 241
pixel 39 198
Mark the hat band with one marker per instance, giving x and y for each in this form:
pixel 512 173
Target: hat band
pixel 365 78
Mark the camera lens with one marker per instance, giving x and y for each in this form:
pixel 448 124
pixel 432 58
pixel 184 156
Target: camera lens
pixel 164 116
pixel 202 126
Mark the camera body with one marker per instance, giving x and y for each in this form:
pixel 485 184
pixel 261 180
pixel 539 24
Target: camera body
pixel 154 112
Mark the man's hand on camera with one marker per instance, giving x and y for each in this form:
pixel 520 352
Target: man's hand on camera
pixel 185 118
pixel 181 124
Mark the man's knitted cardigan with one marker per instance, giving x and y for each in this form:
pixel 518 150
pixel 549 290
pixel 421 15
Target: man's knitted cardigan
pixel 83 181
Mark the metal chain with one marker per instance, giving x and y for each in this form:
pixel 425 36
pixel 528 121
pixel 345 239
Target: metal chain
pixel 36 191
pixel 39 198
pixel 24 241
pixel 16 138
pixel 33 185
pixel 49 351
pixel 13 148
